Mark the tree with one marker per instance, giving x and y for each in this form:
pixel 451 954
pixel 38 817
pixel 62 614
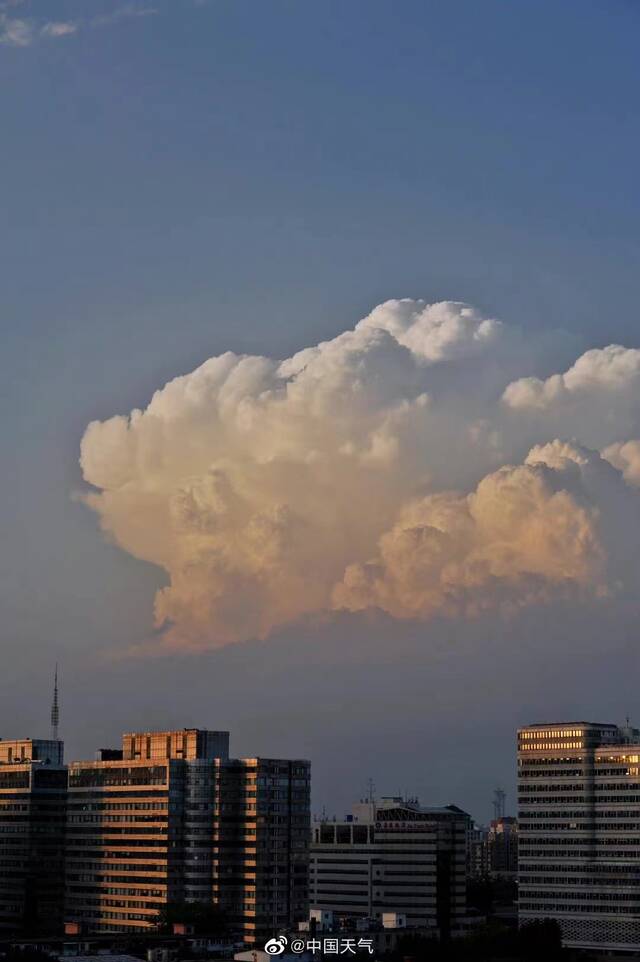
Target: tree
pixel 481 894
pixel 540 939
pixel 27 954
pixel 206 918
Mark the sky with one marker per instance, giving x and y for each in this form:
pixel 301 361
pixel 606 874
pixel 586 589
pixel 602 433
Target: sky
pixel 183 179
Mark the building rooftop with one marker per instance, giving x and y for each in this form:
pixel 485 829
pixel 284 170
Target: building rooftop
pixel 568 724
pixel 14 750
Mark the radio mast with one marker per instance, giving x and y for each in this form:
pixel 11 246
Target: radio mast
pixel 55 708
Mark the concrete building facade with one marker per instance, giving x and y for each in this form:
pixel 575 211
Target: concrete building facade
pixel 174 819
pixel 579 831
pixel 392 856
pixel 477 851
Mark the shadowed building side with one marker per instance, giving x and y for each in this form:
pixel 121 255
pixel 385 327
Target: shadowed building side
pixel 33 788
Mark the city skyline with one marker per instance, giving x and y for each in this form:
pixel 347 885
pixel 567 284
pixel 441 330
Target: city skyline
pixel 375 792
pixel 368 792
pixel 173 826
pixel 321 377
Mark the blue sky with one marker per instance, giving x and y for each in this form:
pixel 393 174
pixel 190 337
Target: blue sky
pixel 256 176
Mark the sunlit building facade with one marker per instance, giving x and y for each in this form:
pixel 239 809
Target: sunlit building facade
pixel 579 831
pixel 33 786
pixel 176 820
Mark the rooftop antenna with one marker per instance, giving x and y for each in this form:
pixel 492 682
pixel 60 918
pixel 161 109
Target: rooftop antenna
pixel 55 708
pixel 372 790
pixel 499 797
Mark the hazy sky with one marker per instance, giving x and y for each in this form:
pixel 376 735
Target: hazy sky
pixel 185 178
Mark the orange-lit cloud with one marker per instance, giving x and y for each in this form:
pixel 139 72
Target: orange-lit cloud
pixel 397 466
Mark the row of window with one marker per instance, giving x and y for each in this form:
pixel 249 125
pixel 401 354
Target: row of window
pixel 562 907
pixel 580 813
pixel 585 882
pixel 546 733
pixel 580 826
pixel 570 842
pixel 583 896
pixel 591 869
pixel 549 746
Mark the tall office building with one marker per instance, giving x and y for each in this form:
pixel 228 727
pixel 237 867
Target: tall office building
pixel 33 785
pixel 579 822
pixel 174 819
pixel 393 856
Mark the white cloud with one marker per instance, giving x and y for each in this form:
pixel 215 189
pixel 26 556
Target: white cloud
pixel 23 32
pixel 15 32
pixel 59 28
pixel 380 468
pixel 612 370
pixel 126 12
pixel 595 398
pixel 625 455
pixel 434 332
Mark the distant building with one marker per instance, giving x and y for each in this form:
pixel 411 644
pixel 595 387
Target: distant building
pixel 33 784
pixel 477 851
pixel 392 856
pixel 579 822
pixel 502 847
pixel 174 819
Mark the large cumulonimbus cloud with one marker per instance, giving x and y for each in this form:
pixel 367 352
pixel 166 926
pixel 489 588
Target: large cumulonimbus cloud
pixel 429 461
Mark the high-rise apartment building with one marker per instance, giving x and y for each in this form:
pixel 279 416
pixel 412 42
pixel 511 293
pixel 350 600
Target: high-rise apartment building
pixel 261 844
pixel 174 819
pixel 392 856
pixel 33 786
pixel 579 828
